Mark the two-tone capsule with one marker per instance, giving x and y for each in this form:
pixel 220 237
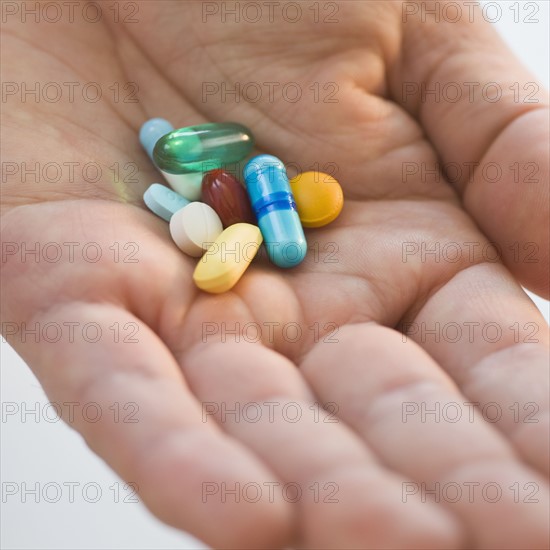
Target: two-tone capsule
pixel 187 185
pixel 273 203
pixel 184 155
pixel 198 149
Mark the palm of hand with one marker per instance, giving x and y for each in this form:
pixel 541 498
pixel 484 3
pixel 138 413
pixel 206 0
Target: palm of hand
pixel 365 272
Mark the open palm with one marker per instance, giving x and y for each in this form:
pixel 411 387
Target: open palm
pixel 409 253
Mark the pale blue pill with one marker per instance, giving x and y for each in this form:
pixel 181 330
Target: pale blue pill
pixel 163 201
pixel 152 131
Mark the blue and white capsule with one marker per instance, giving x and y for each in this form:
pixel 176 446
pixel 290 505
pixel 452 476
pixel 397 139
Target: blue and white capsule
pixel 187 185
pixel 273 203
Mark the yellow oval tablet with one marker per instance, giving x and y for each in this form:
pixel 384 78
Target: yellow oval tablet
pixel 228 257
pixel 319 198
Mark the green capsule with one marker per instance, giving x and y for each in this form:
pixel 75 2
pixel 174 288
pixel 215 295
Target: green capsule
pixel 203 148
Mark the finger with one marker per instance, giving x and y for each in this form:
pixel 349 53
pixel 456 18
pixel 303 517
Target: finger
pixel 488 335
pixel 379 384
pixel 344 499
pixel 175 458
pixel 488 119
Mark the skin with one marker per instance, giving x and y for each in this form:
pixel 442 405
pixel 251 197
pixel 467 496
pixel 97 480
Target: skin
pixel 363 446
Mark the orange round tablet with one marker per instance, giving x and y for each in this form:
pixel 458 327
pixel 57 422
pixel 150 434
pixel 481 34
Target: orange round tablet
pixel 319 198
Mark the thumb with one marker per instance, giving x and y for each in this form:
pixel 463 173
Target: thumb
pixel 487 117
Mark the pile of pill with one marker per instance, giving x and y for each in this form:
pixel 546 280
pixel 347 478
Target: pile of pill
pixel 213 216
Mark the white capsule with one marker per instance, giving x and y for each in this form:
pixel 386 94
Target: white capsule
pixel 194 228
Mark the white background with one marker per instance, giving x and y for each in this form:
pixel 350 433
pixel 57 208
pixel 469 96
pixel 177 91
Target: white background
pixel 50 452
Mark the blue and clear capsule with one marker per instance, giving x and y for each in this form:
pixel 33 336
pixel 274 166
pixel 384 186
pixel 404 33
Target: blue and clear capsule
pixel 187 185
pixel 272 201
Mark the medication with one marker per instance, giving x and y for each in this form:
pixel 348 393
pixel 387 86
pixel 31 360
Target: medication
pixel 227 259
pixel 228 197
pixel 272 201
pixel 163 201
pixel 194 228
pixel 202 148
pixel 319 198
pixel 187 185
pixel 152 131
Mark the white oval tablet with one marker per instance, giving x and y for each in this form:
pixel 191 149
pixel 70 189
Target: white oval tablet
pixel 195 227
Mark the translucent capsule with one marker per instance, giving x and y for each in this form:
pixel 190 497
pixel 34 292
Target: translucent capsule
pixel 228 258
pixel 163 201
pixel 272 201
pixel 187 185
pixel 202 148
pixel 228 197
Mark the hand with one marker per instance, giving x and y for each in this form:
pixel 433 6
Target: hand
pixel 367 275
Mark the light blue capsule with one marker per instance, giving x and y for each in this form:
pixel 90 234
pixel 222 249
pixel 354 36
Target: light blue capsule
pixel 187 185
pixel 163 201
pixel 272 201
pixel 151 132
